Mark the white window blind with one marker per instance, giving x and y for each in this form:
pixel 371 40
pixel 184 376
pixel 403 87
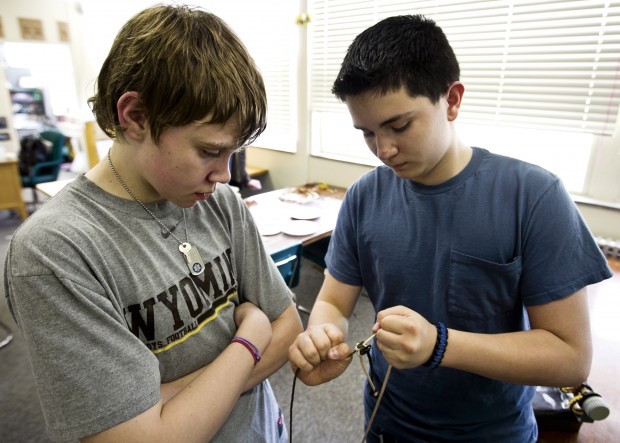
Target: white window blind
pixel 269 31
pixel 536 64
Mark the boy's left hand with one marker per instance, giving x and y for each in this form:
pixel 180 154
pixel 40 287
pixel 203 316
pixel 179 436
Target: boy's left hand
pixel 405 338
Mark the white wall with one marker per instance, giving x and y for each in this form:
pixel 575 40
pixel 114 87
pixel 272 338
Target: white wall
pixel 49 12
pixel 10 146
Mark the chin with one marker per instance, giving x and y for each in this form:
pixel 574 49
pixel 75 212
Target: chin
pixel 185 204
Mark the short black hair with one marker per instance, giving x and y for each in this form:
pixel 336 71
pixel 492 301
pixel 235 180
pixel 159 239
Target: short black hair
pixel 405 50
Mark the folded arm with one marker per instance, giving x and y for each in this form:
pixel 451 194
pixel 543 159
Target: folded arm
pixel 195 411
pixel 284 330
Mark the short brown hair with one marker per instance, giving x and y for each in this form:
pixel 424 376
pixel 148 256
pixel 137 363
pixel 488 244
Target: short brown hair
pixel 186 64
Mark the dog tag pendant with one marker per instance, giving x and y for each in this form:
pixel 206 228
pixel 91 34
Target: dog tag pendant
pixel 194 262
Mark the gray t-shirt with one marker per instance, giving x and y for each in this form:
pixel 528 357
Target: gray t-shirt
pixel 109 309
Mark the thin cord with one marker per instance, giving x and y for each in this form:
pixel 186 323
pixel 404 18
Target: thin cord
pixel 372 385
pixel 290 412
pixel 360 348
pixel 374 411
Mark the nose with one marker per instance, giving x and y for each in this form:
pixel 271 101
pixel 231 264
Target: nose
pixel 385 147
pixel 220 173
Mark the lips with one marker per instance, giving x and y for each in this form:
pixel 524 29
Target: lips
pixel 204 195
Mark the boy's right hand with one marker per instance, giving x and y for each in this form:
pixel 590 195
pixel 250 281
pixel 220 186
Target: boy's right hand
pixel 320 353
pixel 253 325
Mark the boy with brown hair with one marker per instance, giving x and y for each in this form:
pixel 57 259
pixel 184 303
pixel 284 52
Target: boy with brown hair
pixel 148 304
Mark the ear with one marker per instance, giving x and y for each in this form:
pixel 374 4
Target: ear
pixel 131 116
pixel 454 97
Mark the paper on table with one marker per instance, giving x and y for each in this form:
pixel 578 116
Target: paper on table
pixel 303 212
pixel 300 227
pixel 296 195
pixel 267 229
pixel 268 219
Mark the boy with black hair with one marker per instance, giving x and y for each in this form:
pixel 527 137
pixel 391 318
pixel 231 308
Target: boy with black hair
pixel 476 264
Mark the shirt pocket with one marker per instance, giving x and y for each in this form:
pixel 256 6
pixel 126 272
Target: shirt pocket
pixel 480 289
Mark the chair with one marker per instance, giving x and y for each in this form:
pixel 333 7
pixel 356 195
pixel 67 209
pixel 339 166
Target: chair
pixel 288 262
pixel 315 252
pixel 46 171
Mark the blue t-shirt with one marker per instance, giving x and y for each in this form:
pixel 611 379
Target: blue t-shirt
pixel 471 252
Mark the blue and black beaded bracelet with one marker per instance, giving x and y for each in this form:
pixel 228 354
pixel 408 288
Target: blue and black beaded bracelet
pixel 440 346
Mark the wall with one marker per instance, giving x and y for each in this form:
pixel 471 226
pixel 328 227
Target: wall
pixel 603 222
pixel 49 12
pixel 10 146
pixel 603 187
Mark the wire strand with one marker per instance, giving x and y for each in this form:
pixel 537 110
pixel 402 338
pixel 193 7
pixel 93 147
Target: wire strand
pixel 361 348
pixel 374 411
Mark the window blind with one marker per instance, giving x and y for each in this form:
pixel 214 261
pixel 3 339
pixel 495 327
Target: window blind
pixel 269 31
pixel 527 63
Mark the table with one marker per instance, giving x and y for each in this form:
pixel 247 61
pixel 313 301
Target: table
pixel 11 186
pixel 255 171
pixel 50 189
pixel 275 217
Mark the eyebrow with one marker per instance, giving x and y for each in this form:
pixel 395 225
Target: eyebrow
pixel 391 120
pixel 218 146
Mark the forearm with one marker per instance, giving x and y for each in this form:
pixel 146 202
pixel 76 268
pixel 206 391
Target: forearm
pixel 197 411
pixel 169 390
pixel 324 311
pixel 195 407
pixel 321 352
pixel 535 357
pixel 284 330
pixel 556 352
pixel 334 304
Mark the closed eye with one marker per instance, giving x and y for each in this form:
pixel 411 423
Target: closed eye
pixel 402 128
pixel 210 153
pixel 217 153
pixel 367 134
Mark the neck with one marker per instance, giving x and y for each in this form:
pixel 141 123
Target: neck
pixel 460 156
pixel 104 177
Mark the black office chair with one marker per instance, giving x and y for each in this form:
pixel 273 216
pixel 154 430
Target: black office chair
pixel 288 262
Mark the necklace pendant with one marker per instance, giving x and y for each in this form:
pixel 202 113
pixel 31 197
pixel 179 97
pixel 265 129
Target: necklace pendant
pixel 194 261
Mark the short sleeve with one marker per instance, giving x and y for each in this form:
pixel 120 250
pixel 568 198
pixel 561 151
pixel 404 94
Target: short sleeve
pixel 91 372
pixel 560 255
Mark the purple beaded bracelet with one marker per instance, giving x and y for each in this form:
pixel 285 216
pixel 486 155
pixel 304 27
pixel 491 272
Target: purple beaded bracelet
pixel 249 346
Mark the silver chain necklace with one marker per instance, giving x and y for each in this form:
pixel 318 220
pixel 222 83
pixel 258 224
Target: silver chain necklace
pixel 194 261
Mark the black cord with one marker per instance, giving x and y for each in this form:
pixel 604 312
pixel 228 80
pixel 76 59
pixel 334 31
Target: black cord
pixel 290 413
pixel 361 348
